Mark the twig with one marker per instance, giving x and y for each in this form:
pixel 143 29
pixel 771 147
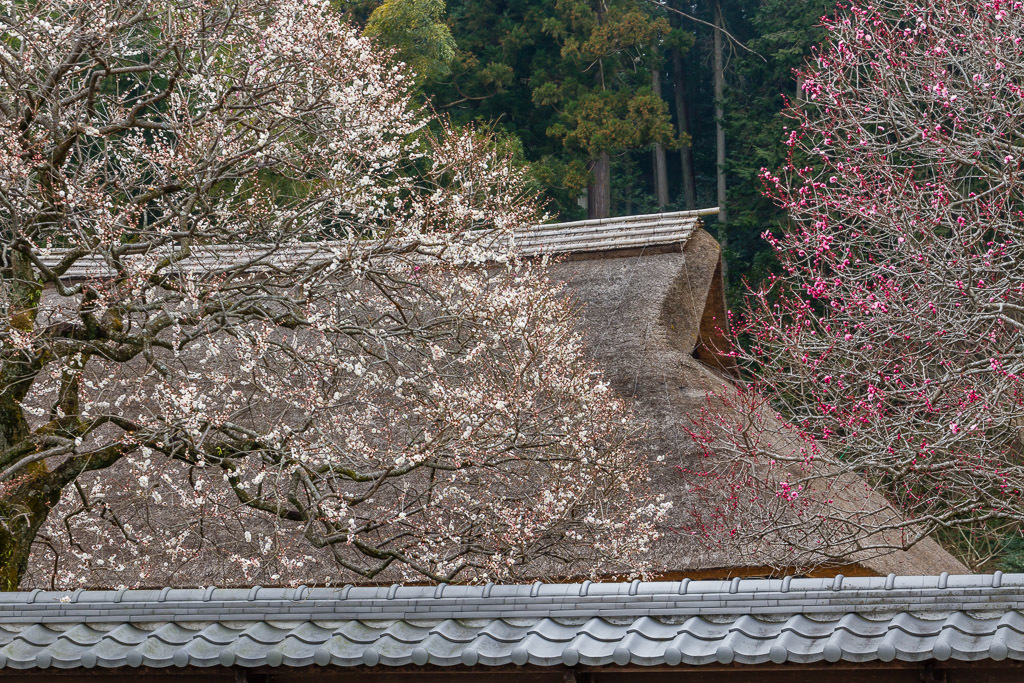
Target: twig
pixel 734 39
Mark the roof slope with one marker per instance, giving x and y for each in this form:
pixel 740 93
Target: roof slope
pixel 651 302
pixel 964 618
pixel 647 315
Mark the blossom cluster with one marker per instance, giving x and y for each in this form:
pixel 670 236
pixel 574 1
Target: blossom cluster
pixel 263 321
pixel 890 344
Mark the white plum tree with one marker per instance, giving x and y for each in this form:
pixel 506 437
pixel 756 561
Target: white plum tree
pixel 246 281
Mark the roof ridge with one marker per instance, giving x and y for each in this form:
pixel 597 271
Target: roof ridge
pixel 604 234
pixel 660 598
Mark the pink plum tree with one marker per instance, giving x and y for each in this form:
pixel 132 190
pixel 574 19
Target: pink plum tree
pixel 889 350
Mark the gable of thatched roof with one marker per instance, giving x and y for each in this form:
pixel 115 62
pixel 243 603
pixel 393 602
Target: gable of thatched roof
pixel 654 319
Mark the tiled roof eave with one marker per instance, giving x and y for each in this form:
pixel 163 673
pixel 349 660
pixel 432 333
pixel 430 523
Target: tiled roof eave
pixel 677 623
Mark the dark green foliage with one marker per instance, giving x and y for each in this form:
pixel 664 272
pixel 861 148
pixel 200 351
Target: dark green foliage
pixel 415 29
pixel 571 79
pixel 1012 559
pixel 782 34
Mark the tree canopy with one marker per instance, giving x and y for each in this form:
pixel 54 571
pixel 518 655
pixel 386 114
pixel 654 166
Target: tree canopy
pixel 889 344
pixel 414 28
pixel 252 293
pixel 591 92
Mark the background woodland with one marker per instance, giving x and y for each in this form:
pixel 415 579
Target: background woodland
pixel 622 106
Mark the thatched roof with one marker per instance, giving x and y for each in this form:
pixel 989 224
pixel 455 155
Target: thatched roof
pixel 653 318
pixel 653 309
pixel 576 237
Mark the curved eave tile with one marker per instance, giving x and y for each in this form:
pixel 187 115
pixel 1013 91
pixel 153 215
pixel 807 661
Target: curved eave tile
pixel 746 622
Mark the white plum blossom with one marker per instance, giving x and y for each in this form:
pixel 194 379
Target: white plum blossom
pixel 260 319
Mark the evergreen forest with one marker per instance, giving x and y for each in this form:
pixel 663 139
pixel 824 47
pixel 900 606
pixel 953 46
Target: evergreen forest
pixel 621 106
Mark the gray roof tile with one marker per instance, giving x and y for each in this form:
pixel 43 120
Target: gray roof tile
pixel 691 623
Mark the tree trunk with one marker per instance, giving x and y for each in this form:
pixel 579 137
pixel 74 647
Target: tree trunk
pixel 660 168
pixel 15 549
pixel 683 124
pixel 18 285
pixel 723 221
pixel 23 513
pixel 24 507
pixel 13 427
pixel 599 192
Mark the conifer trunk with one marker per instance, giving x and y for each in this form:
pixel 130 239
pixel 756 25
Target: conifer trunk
pixel 683 122
pixel 599 192
pixel 660 167
pixel 723 221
